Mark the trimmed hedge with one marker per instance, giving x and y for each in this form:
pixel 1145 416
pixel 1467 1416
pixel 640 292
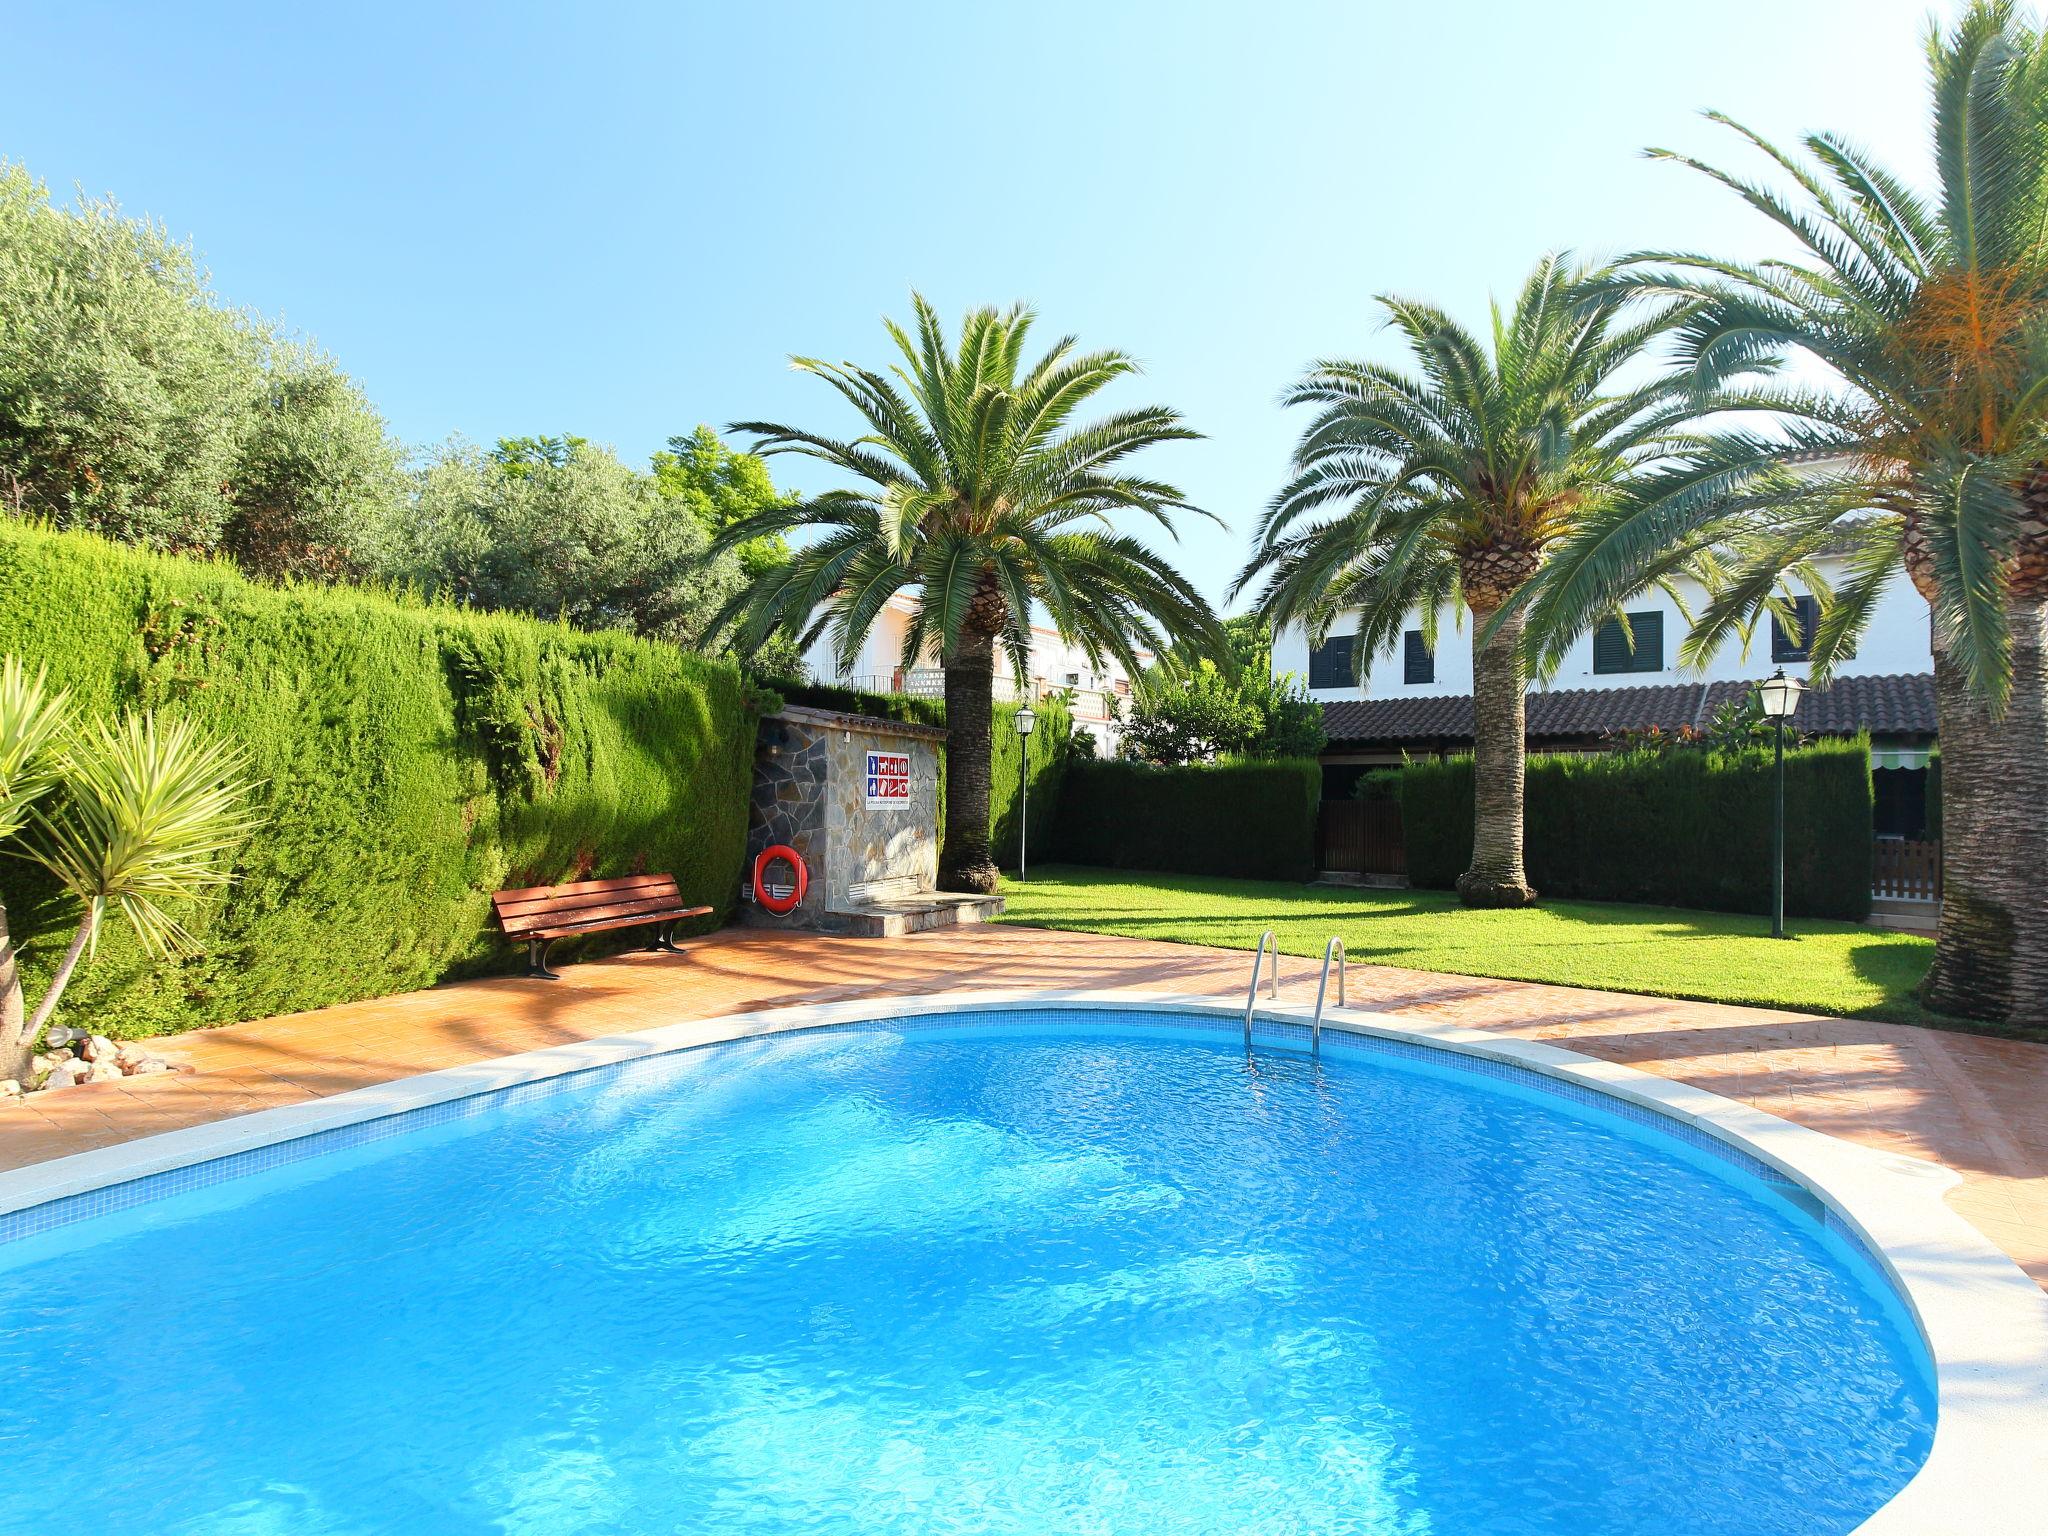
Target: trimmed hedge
pixel 1249 820
pixel 909 709
pixel 1048 769
pixel 412 760
pixel 1687 829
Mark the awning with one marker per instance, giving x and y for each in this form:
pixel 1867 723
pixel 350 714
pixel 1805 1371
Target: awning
pixel 1898 757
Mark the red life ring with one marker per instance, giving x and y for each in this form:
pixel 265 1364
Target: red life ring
pixel 790 895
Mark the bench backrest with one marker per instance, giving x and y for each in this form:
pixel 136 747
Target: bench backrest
pixel 585 901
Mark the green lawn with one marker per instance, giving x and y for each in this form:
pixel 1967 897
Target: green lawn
pixel 1823 968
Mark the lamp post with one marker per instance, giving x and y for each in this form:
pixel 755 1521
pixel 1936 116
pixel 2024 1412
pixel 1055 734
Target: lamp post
pixel 1779 696
pixel 1025 721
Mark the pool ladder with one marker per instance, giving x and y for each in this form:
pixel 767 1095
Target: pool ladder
pixel 1268 954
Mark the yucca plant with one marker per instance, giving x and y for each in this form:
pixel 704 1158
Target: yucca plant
pixel 1924 448
pixel 33 719
pixel 1448 486
pixel 977 491
pixel 146 815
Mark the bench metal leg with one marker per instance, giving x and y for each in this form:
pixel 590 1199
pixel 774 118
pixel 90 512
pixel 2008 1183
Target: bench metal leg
pixel 664 939
pixel 537 959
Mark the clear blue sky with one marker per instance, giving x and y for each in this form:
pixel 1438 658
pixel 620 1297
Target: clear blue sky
pixel 617 220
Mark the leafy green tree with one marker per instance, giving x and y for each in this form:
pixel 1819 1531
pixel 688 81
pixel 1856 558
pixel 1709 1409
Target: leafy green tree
pixel 1195 719
pixel 1923 449
pixel 721 487
pixel 1205 713
pixel 559 528
pixel 123 383
pixel 974 487
pixel 134 403
pixel 1453 483
pixel 317 477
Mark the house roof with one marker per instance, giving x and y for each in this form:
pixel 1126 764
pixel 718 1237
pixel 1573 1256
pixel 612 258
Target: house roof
pixel 1890 705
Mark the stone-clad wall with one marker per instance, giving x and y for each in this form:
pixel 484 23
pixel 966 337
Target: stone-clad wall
pixel 810 792
pixel 789 807
pixel 899 843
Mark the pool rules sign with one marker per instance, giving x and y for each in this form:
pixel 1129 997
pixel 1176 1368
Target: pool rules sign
pixel 888 781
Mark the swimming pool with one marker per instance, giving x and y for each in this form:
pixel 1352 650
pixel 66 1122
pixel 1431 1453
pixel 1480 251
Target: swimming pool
pixel 1042 1269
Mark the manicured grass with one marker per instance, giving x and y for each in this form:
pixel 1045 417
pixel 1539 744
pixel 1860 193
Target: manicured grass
pixel 1824 967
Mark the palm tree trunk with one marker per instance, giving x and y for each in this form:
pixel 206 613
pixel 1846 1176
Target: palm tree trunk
pixel 17 1050
pixel 1991 951
pixel 1499 748
pixel 965 863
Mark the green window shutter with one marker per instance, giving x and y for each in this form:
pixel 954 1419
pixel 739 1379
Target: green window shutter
pixel 1782 648
pixel 1611 651
pixel 1329 664
pixel 1418 661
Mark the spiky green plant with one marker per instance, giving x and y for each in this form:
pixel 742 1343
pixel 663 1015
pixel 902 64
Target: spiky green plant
pixel 977 491
pixel 1450 484
pixel 1923 448
pixel 150 811
pixel 32 721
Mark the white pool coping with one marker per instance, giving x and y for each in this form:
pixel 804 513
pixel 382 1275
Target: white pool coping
pixel 1984 1322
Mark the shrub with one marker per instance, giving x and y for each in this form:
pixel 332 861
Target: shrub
pixel 1252 820
pixel 1687 829
pixel 410 761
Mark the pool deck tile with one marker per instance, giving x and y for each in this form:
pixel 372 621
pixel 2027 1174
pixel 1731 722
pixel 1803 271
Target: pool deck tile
pixel 1978 1105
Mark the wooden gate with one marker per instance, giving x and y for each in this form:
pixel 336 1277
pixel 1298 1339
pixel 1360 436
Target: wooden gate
pixel 1360 837
pixel 1906 871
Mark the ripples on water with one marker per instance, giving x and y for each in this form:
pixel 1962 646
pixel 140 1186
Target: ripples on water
pixel 1055 1285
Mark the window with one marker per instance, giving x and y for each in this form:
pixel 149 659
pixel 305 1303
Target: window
pixel 1611 652
pixel 1329 664
pixel 1073 679
pixel 1418 661
pixel 1782 648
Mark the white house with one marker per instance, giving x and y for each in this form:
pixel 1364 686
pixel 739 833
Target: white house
pixel 1418 702
pixel 1056 667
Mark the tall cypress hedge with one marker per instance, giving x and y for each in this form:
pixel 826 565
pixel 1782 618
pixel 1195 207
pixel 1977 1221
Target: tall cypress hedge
pixel 1251 820
pixel 412 761
pixel 1686 829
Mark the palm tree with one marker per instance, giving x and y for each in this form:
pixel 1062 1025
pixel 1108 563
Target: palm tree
pixel 977 491
pixel 1923 448
pixel 1452 483
pixel 145 817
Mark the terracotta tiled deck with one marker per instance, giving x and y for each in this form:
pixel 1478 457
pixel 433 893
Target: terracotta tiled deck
pixel 1978 1105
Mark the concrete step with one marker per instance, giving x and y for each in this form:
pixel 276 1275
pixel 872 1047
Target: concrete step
pixel 1902 916
pixel 897 915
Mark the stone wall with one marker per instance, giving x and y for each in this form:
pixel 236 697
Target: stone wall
pixel 897 844
pixel 789 807
pixel 810 792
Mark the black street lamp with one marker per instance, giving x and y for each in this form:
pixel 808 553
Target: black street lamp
pixel 1025 721
pixel 1779 696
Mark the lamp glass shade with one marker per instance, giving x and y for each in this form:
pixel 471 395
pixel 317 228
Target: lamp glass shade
pixel 1780 696
pixel 1025 720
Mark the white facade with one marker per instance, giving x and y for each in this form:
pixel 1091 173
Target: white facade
pixel 1896 643
pixel 1056 667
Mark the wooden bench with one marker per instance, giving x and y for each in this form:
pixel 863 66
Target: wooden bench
pixel 542 914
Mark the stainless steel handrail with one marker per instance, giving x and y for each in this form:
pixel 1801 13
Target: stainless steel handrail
pixel 1251 995
pixel 1315 1030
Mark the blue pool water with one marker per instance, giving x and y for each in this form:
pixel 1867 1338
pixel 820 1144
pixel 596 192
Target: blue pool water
pixel 1071 1279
